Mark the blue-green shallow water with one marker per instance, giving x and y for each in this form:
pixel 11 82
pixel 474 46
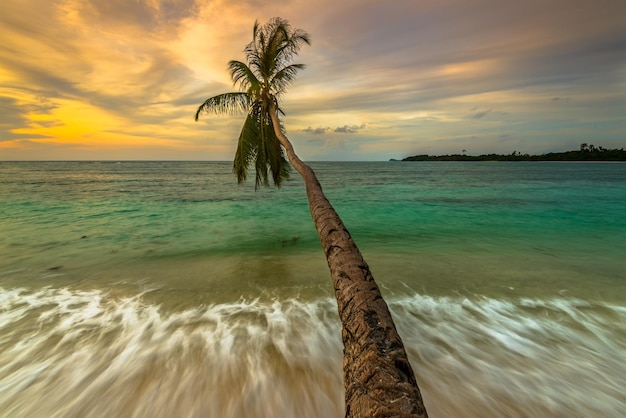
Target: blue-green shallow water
pixel 163 289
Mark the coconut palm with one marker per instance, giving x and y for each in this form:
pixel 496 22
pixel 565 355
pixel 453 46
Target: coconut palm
pixel 263 80
pixel 378 378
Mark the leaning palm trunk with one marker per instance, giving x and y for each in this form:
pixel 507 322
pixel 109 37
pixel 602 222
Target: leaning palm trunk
pixel 378 379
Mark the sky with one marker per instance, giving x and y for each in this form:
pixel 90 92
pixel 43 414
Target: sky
pixel 122 79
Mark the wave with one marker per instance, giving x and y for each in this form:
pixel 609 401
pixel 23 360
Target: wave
pixel 517 358
pixel 66 353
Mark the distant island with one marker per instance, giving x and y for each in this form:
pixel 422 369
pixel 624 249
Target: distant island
pixel 585 153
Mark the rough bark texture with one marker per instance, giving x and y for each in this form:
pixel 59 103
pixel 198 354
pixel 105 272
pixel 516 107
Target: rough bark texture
pixel 378 379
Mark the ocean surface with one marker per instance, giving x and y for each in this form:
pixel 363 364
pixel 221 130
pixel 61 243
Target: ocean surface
pixel 163 289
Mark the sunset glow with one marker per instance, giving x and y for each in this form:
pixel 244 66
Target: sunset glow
pixel 122 80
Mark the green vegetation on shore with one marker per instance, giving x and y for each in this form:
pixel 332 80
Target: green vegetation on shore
pixel 585 153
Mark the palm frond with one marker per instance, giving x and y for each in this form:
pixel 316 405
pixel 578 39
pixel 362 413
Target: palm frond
pixel 277 32
pixel 292 44
pixel 283 78
pixel 247 147
pixel 243 75
pixel 278 165
pixel 226 103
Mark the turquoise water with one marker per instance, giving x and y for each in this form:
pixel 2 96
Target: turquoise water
pixel 164 289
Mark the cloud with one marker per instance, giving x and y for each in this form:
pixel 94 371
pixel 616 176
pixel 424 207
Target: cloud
pixel 345 129
pixel 111 72
pixel 476 113
pixel 349 129
pixel 481 114
pixel 14 118
pixel 138 15
pixel 317 131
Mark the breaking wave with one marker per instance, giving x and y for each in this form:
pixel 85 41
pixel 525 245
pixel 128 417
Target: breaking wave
pixel 70 353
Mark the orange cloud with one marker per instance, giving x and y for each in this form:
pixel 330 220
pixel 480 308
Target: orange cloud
pixel 88 77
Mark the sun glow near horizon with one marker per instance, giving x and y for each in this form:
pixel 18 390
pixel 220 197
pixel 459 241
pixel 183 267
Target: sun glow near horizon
pixel 86 80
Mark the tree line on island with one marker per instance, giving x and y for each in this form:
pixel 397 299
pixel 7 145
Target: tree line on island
pixel 587 152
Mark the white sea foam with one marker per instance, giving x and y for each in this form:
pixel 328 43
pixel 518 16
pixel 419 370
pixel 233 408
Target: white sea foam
pixel 68 353
pixel 487 357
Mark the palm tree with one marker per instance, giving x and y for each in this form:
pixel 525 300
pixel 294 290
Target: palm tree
pixel 378 379
pixel 263 80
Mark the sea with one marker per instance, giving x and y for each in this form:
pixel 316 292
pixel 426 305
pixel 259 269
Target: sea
pixel 164 289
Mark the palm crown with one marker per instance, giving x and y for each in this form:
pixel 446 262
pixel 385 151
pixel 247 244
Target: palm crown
pixel 263 79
